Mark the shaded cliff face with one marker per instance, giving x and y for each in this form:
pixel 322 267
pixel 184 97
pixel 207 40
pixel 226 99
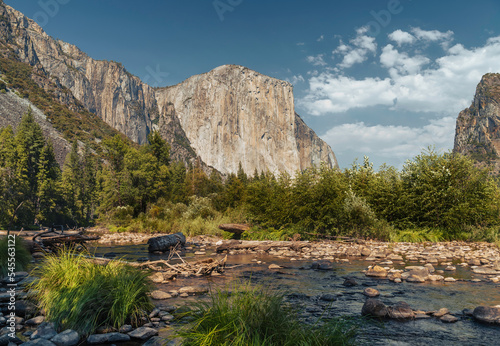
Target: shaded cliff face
pixel 104 88
pixel 224 117
pixel 477 132
pixel 233 114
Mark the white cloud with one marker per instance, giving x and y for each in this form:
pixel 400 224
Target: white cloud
pixel 432 35
pixel 321 38
pixel 445 85
pixel 297 79
pixel 317 60
pixel 401 63
pixel 358 50
pixel 396 143
pixel 401 37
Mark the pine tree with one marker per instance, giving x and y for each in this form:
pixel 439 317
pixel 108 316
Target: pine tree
pixel 48 193
pixel 29 141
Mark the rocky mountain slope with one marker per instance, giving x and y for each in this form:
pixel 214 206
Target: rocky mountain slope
pixel 226 116
pixel 477 132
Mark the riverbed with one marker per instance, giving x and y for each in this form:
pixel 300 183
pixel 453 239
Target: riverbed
pixel 322 293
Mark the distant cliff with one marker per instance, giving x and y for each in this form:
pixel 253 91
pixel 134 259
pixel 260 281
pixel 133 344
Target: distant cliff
pixel 478 127
pixel 226 116
pixel 233 114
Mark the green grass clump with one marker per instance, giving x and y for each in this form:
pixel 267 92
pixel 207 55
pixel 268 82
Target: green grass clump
pixel 78 294
pixel 258 316
pixel 417 236
pixel 21 254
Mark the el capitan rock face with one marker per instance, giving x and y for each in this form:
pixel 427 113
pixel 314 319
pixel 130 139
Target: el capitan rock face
pixel 477 132
pixel 226 116
pixel 233 114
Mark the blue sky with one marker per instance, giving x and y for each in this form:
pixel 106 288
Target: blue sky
pixel 382 78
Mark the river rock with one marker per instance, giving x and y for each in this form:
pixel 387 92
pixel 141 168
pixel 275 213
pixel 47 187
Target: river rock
pixel 160 295
pixel 430 268
pixel 107 338
pixel 374 307
pixel 193 290
pixel 157 278
pixel 126 328
pixel 349 282
pixel 274 266
pixel 377 271
pixel 67 338
pixel 365 252
pixel 401 310
pixel 488 314
pixel 448 319
pixel 418 274
pixel 475 262
pixel 143 333
pixel 485 271
pixel 39 342
pixel 45 330
pixel 35 321
pixel 371 292
pixel 328 297
pixel 441 312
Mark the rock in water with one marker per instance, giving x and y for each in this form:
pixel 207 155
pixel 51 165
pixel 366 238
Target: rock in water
pixel 377 271
pixel 487 314
pixel 166 242
pixel 375 308
pixel 400 311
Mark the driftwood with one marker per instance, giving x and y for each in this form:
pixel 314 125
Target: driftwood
pixel 52 239
pixel 204 267
pixel 260 245
pixel 166 242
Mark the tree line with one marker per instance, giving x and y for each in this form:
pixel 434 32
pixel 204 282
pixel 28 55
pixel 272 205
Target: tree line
pixel 139 188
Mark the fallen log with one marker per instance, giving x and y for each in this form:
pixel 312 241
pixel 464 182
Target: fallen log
pixel 166 242
pixel 260 245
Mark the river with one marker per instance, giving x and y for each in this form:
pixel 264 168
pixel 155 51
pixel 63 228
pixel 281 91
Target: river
pixel 305 287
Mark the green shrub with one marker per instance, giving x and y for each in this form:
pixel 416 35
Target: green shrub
pixel 21 253
pixel 80 295
pixel 258 316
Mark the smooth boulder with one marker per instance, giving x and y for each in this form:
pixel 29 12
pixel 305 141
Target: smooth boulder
pixel 487 314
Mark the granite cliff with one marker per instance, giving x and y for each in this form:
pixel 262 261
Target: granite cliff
pixel 226 116
pixel 477 132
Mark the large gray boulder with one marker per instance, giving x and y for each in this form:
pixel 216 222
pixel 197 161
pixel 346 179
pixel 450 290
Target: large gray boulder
pixel 487 314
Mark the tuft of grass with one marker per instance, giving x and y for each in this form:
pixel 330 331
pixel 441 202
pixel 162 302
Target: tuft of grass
pixel 22 254
pixel 81 295
pixel 258 316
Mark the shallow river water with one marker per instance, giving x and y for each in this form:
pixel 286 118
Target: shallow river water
pixel 304 287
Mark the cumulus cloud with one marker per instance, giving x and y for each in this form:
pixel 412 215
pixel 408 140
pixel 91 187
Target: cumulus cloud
pixel 321 38
pixel 401 63
pixel 317 60
pixel 358 49
pixel 432 35
pixel 401 37
pixel 415 83
pixel 396 143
